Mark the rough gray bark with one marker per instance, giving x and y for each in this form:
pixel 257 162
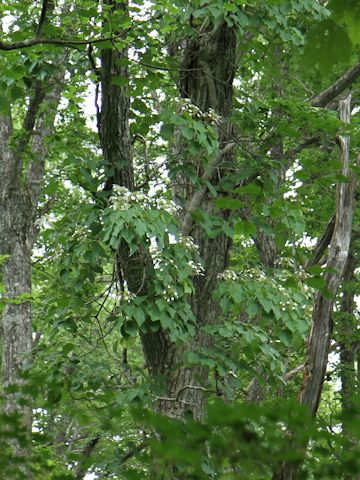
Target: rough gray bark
pixel 19 193
pixel 322 326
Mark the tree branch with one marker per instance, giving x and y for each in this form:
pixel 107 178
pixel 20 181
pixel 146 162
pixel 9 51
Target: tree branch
pixel 349 77
pixel 42 20
pixel 28 128
pixel 81 467
pixel 292 373
pixel 7 157
pixel 42 128
pixel 198 196
pixel 133 451
pixel 322 243
pixel 55 41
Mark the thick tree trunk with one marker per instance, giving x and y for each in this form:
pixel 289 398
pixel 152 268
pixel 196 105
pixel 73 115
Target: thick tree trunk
pixel 16 318
pixel 15 245
pixel 208 69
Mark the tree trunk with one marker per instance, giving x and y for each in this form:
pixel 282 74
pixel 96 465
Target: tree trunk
pixel 208 69
pixel 322 326
pixel 206 79
pixel 346 331
pixel 346 335
pixel 18 209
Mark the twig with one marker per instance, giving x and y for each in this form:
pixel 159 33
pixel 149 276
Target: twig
pixel 179 392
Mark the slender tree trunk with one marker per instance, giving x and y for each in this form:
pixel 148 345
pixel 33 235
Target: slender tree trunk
pixel 322 325
pixel 346 331
pixel 346 335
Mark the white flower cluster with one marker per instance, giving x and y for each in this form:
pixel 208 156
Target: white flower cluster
pixel 122 198
pixel 81 232
pixel 255 273
pixel 170 294
pixel 285 305
pixel 126 295
pixel 196 267
pixel 189 244
pixel 228 275
pixel 168 205
pixel 210 116
pixel 154 251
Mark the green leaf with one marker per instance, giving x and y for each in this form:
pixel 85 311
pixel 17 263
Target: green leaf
pixel 229 203
pixel 316 282
pixel 187 132
pixel 327 43
pixel 120 81
pixel 245 228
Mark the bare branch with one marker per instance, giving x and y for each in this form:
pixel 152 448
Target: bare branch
pixel 292 373
pixel 323 98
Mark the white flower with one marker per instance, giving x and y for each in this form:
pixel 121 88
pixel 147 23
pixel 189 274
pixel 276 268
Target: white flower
pixel 228 275
pixel 127 295
pixel 196 267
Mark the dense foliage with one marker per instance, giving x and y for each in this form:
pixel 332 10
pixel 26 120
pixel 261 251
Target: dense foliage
pixel 176 173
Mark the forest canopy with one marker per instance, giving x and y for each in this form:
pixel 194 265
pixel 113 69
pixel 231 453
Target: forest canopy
pixel 179 239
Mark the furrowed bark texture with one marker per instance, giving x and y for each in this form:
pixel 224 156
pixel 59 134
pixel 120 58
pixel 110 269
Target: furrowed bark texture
pixel 322 325
pixel 208 69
